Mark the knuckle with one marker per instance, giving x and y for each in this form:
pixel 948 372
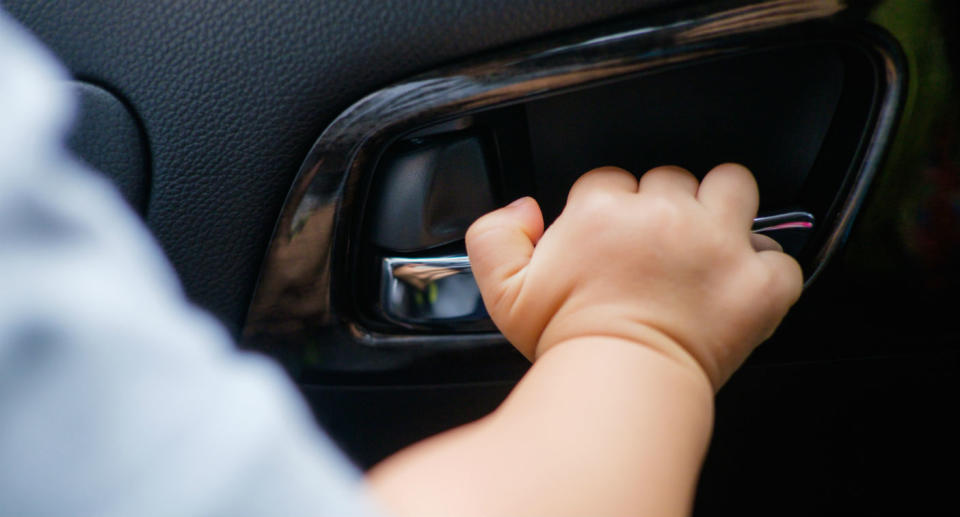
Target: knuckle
pixel 768 282
pixel 481 226
pixel 782 282
pixel 585 182
pixel 734 173
pixel 595 203
pixel 763 289
pixel 662 212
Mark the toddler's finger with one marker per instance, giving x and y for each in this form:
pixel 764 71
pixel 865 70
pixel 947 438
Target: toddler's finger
pixel 787 282
pixel 500 243
pixel 669 180
pixel 763 243
pixel 730 192
pixel 604 178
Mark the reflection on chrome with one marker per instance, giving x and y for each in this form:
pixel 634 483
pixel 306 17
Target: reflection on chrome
pixel 432 292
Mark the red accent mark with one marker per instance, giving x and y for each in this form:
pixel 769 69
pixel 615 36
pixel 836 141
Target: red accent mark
pixel 793 225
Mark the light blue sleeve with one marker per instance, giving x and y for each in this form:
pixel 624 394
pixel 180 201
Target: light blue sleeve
pixel 117 397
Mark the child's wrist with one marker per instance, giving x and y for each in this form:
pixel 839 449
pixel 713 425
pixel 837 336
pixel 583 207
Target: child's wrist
pixel 598 324
pixel 648 363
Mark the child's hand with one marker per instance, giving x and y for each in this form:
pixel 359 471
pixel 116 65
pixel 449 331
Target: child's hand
pixel 666 263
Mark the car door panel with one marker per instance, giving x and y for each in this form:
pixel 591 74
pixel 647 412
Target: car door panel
pixel 848 408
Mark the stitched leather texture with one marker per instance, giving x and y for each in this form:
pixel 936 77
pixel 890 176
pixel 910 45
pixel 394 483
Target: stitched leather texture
pixel 232 95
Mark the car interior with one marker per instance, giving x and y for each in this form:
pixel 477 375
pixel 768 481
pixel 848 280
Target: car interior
pixel 310 167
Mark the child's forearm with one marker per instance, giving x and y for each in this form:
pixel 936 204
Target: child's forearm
pixel 614 425
pixel 598 426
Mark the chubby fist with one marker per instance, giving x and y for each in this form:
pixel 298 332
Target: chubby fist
pixel 668 263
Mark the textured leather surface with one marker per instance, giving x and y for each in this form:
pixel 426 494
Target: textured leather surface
pixel 232 95
pixel 106 136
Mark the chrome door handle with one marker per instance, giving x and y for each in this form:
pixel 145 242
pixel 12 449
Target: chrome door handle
pixel 434 292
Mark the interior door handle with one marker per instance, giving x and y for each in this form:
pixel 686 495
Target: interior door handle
pixel 785 221
pixel 432 292
pixel 440 292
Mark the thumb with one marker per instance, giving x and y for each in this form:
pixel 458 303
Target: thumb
pixel 499 245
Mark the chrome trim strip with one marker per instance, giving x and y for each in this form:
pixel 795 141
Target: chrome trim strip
pixel 293 301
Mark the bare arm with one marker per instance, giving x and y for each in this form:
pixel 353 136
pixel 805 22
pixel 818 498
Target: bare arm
pixel 636 305
pixel 599 426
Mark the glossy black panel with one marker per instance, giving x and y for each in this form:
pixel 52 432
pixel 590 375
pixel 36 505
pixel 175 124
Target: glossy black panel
pixel 313 284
